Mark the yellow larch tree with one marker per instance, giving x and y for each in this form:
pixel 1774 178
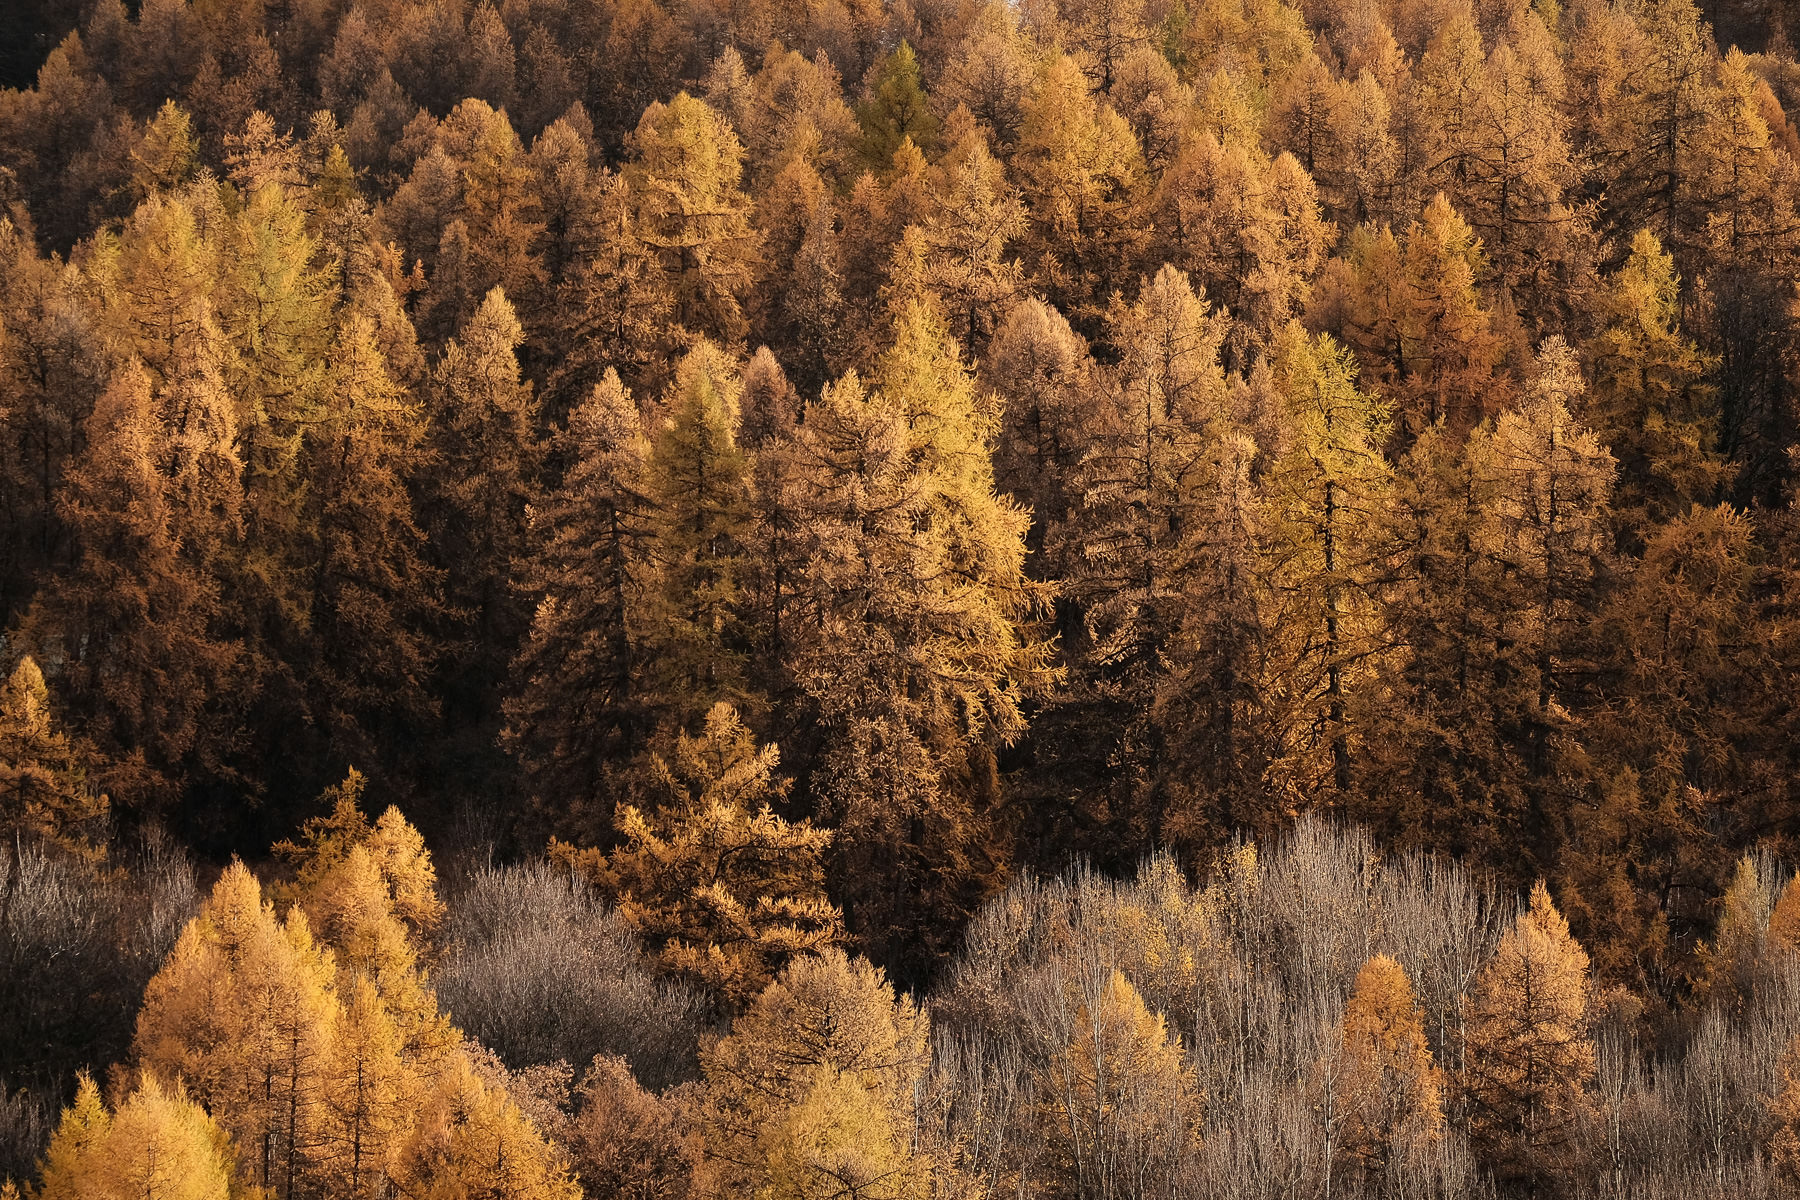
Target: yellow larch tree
pixel 471 1142
pixel 811 1094
pixel 1080 170
pixel 242 1011
pixel 368 1096
pixel 397 850
pixel 1784 922
pixel 354 911
pixel 1116 1102
pixel 1326 495
pixel 1649 400
pixel 724 890
pixel 691 210
pixel 44 788
pixel 958 249
pixel 1529 1060
pixel 913 640
pixel 697 488
pixel 159 1145
pixel 1389 1093
pixel 577 706
pixel 1740 943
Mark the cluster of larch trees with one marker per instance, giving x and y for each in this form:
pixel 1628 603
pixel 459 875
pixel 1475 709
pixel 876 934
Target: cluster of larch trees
pixel 1314 1018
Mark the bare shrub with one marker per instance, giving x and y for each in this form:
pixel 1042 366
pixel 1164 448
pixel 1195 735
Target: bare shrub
pixel 26 1120
pixel 78 942
pixel 537 967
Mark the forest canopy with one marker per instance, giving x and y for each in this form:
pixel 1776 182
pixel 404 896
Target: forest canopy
pixel 927 520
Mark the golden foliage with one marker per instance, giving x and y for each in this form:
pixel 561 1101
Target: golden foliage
pixel 1529 1071
pixel 44 790
pixel 813 1089
pixel 158 1145
pixel 1390 1093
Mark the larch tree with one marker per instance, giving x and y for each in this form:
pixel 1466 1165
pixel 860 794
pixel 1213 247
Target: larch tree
pixel 1390 1093
pixel 243 1012
pixel 959 252
pixel 1364 120
pixel 811 1095
pixel 1529 1062
pixel 813 305
pixel 913 643
pixel 1147 461
pixel 1159 429
pixel 1435 767
pixel 1745 204
pixel 52 369
pixel 1327 494
pixel 366 1099
pixel 1116 1104
pixel 158 1145
pixel 155 281
pixel 576 704
pixel 689 208
pixel 1653 160
pixel 1218 736
pixel 155 685
pixel 1784 921
pixel 1738 950
pixel 1545 532
pixel 502 207
pixel 697 487
pixel 370 595
pixel 896 109
pixel 1495 134
pixel 724 890
pixel 1106 31
pixel 1042 371
pixel 353 906
pixel 1411 310
pixel 1080 171
pixel 74 1158
pixel 395 848
pixel 989 73
pixel 485 466
pixel 1207 219
pixel 1452 352
pixel 400 1102
pixel 1649 400
pixel 1688 689
pixel 615 306
pixel 45 791
pixel 167 154
pixel 273 310
pixel 472 1142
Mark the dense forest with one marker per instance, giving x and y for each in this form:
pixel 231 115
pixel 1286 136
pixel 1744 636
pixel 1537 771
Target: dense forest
pixel 696 599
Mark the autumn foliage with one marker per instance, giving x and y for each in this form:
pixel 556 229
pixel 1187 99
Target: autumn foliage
pixel 1202 502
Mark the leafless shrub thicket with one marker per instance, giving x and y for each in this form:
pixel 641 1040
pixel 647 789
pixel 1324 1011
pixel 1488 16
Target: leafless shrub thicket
pixel 1251 971
pixel 78 942
pixel 538 968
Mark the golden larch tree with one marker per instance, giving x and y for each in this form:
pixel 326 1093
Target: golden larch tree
pixel 724 890
pixel 1390 1093
pixel 811 1095
pixel 243 1012
pixel 1528 1079
pixel 158 1145
pixel 44 787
